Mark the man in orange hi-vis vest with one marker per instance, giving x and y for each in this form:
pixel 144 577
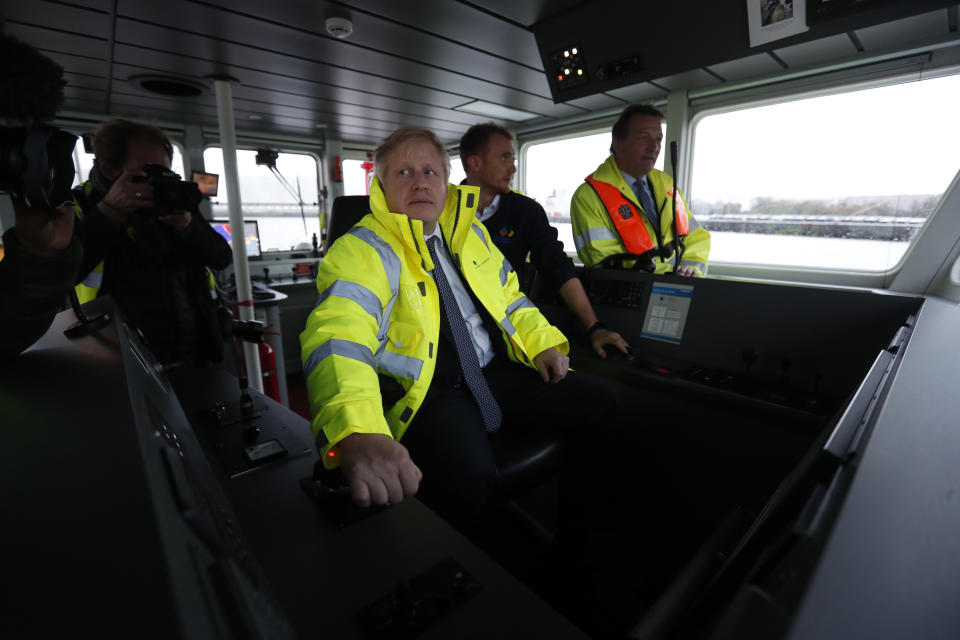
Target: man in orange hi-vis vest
pixel 624 207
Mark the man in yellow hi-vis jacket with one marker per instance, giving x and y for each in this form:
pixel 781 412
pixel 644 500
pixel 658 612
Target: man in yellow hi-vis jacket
pixel 422 346
pixel 624 207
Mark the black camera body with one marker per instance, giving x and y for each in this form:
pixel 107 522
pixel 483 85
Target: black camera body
pixel 36 160
pixel 170 193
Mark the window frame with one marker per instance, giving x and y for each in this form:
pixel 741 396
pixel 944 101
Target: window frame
pixel 246 146
pixel 726 103
pixel 592 128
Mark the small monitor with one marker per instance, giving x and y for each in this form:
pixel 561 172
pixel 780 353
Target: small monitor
pixel 251 234
pixel 207 182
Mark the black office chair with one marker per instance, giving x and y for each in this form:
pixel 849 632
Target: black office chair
pixel 525 457
pixel 346 212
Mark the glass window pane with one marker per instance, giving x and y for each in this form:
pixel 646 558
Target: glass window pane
pixel 356 178
pixel 284 224
pixel 457 174
pixel 838 182
pixel 83 162
pixel 555 169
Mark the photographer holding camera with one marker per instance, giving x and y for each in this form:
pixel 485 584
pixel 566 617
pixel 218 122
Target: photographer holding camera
pixel 41 254
pixel 146 244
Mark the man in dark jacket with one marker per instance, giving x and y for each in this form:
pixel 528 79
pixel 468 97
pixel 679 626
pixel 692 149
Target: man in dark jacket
pixel 152 259
pixel 518 226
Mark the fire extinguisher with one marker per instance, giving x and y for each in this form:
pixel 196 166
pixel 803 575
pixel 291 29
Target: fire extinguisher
pixel 337 169
pixel 268 365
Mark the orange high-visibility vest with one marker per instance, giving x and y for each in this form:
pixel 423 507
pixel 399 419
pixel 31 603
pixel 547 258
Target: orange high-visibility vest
pixel 629 221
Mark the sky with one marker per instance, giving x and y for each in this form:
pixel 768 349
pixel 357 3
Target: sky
pixel 901 139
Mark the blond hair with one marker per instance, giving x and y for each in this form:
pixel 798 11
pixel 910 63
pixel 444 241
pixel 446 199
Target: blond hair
pixel 402 136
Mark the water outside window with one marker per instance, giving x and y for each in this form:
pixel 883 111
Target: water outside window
pixel 837 182
pixel 283 223
pixel 555 169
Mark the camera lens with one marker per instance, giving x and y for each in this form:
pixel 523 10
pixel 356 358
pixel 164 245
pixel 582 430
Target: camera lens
pixel 36 164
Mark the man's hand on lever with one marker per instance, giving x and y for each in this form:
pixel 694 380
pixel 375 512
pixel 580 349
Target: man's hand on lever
pixel 377 468
pixel 602 337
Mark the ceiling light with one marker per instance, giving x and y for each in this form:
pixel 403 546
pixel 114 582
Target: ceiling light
pixel 483 108
pixel 169 86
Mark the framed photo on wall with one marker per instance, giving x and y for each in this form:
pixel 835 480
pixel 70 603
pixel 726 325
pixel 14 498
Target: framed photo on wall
pixel 770 20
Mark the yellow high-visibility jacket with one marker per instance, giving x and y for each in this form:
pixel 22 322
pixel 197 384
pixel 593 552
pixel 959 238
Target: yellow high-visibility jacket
pixel 596 236
pixel 379 313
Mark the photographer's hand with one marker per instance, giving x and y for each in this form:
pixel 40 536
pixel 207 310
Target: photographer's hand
pixel 126 196
pixel 179 220
pixel 43 232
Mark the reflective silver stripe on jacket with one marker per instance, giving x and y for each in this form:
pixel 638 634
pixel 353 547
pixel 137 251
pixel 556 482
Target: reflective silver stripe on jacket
pixel 344 348
pixel 519 303
pixel 93 280
pixel 594 235
pixel 367 299
pixel 391 266
pixel 389 259
pixel 399 365
pixel 505 270
pixel 508 326
pixel 479 232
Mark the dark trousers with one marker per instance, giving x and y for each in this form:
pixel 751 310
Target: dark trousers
pixel 448 443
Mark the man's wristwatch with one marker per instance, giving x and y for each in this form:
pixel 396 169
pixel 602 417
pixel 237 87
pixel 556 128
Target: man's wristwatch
pixel 596 326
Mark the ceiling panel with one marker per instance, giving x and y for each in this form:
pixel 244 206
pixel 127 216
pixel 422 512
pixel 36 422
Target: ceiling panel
pixel 104 6
pixel 82 81
pixel 906 30
pixel 808 53
pixel 527 12
pixel 298 70
pixel 79 64
pixel 460 23
pixel 58 17
pixel 749 67
pixel 597 102
pixel 696 79
pixel 641 92
pixel 455 119
pixel 377 46
pixel 368 70
pixel 313 117
pixel 65 43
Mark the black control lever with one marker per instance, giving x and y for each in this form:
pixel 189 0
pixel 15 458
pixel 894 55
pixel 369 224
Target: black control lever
pixel 328 488
pixel 643 262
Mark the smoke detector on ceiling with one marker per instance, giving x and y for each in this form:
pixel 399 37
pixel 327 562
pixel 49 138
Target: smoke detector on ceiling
pixel 339 27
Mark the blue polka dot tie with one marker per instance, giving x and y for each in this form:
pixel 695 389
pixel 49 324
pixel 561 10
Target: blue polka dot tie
pixel 642 189
pixel 469 364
